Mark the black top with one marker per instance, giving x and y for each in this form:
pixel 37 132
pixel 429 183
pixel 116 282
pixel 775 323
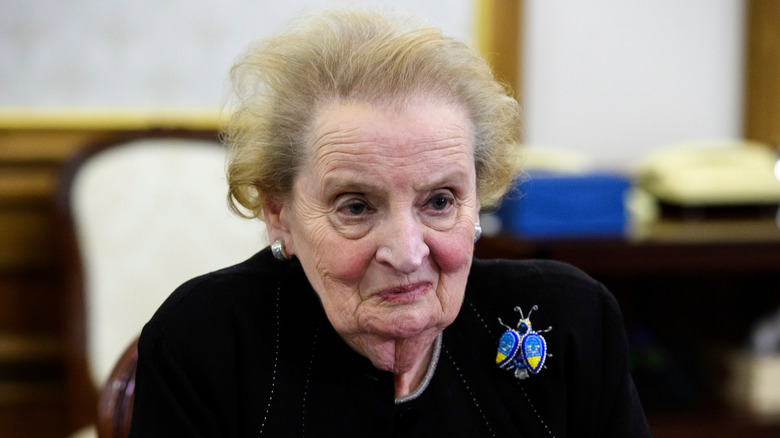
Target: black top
pixel 248 352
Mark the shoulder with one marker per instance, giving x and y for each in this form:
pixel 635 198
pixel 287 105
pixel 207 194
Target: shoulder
pixel 566 298
pixel 224 304
pixel 211 291
pixel 535 279
pixel 538 270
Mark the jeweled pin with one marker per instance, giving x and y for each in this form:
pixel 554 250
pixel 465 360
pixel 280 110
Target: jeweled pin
pixel 522 349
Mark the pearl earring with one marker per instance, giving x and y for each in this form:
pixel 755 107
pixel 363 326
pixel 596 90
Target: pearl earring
pixel 277 248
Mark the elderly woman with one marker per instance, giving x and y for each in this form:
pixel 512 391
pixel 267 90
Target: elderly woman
pixel 368 147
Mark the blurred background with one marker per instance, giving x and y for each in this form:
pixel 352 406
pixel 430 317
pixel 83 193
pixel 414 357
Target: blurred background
pixel 651 128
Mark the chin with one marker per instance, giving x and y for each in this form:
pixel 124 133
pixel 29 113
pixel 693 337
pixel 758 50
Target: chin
pixel 408 323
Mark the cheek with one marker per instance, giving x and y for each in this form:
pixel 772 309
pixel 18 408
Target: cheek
pixel 336 262
pixel 347 260
pixel 452 252
pixel 453 256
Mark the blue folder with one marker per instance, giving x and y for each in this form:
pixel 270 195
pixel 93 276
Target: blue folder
pixel 562 205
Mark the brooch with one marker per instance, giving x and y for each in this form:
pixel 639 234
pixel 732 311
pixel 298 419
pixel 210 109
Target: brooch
pixel 522 349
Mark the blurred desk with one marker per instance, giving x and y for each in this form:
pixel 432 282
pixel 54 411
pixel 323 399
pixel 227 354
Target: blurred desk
pixel 664 247
pixel 686 289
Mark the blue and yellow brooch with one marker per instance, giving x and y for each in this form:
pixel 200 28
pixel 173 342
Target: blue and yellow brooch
pixel 522 349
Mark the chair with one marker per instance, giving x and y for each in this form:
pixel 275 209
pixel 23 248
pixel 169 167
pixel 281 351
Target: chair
pixel 139 217
pixel 115 406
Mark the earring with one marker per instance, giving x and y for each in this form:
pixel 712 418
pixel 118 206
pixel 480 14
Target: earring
pixel 277 248
pixel 477 232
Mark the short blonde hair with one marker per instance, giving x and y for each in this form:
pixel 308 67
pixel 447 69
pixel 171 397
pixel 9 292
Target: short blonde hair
pixel 282 81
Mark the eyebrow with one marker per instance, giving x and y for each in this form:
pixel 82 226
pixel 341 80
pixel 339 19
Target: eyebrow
pixel 349 185
pixel 352 184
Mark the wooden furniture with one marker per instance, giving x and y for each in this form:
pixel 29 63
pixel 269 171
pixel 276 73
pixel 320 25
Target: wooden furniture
pixel 498 39
pixel 762 72
pixel 115 407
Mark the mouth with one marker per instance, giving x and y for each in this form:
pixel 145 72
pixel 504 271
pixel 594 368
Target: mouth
pixel 404 294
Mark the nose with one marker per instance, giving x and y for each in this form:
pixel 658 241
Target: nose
pixel 402 243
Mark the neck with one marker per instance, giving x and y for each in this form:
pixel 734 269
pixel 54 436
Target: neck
pixel 409 379
pixel 408 359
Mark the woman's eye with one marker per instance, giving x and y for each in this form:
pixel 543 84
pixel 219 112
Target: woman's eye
pixel 352 215
pixel 356 208
pixel 440 202
pixel 353 207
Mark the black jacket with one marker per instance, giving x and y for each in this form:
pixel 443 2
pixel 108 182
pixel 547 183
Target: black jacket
pixel 248 352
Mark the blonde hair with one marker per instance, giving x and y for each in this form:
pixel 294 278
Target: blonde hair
pixel 282 81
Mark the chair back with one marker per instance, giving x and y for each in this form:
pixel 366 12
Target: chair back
pixel 142 216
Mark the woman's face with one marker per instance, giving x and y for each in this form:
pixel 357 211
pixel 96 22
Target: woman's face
pixel 382 218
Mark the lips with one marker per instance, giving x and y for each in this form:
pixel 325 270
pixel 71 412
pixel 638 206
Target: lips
pixel 404 294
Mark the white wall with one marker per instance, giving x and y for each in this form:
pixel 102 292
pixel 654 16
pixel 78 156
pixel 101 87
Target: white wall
pixel 616 79
pixel 611 78
pixel 150 53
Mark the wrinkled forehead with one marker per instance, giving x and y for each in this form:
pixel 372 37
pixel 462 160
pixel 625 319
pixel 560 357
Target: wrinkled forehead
pixel 424 143
pixel 394 130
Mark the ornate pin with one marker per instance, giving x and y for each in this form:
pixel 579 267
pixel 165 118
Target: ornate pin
pixel 523 349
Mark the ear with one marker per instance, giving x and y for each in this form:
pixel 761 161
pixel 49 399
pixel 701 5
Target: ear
pixel 276 216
